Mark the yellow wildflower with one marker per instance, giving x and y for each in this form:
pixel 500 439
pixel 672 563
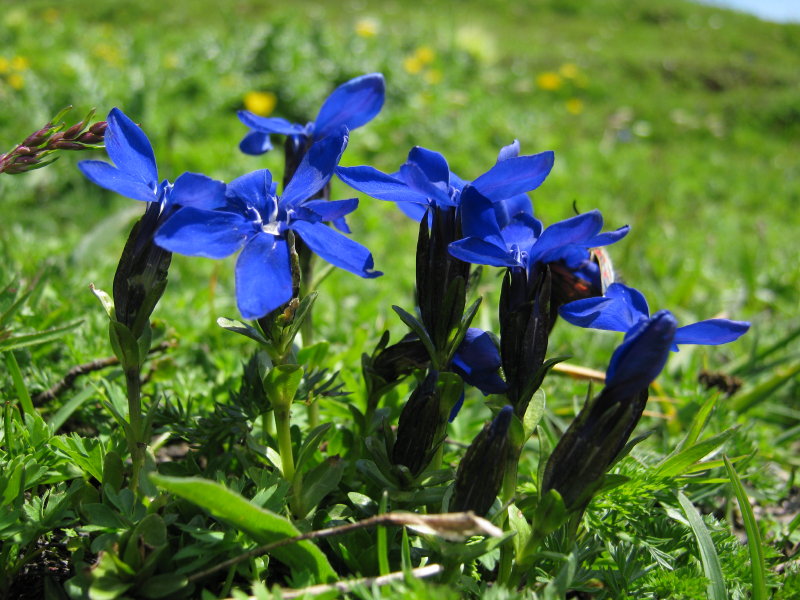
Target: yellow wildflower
pixel 569 71
pixel 51 15
pixel 260 103
pixel 367 27
pixel 575 106
pixel 3 64
pixel 549 81
pixel 20 63
pixel 412 64
pixel 425 55
pixel 171 61
pixel 16 81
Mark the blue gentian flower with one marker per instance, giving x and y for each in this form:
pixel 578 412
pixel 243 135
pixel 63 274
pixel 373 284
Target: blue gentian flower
pixel 477 361
pixel 624 309
pixel 255 220
pixel 134 173
pixel 523 242
pixel 425 180
pixel 351 105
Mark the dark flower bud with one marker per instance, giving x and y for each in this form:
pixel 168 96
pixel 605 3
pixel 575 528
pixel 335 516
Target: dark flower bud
pixel 480 472
pixel 598 434
pixel 68 145
pixel 72 132
pixel 141 275
pixel 90 138
pixel 24 151
pixel 37 137
pixel 423 421
pixel 98 128
pixel 441 278
pixel 524 331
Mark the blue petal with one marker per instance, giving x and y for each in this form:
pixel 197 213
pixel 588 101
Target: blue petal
pixel 477 361
pixel 417 179
pixel 315 169
pixel 598 313
pixel 213 234
pixel 575 230
pixel 331 210
pixel 607 238
pixel 510 151
pixel 336 248
pixel 478 252
pixel 432 164
pixel 413 210
pixel 478 218
pixel 255 189
pixel 197 190
pixel 263 276
pixel 711 332
pixel 352 105
pixel 510 208
pixel 255 143
pixel 379 185
pixel 642 356
pixel 269 124
pixel 514 176
pixel 111 178
pixel 522 231
pixel 632 298
pixel 129 148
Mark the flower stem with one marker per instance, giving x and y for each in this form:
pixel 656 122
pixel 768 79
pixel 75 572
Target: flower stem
pixel 283 424
pixel 136 444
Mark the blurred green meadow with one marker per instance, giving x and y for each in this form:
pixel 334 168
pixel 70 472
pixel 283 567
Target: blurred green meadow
pixel 678 119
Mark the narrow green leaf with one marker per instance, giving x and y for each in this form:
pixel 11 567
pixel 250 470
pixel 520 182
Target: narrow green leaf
pixel 65 412
pixel 19 384
pixel 708 554
pixel 758 358
pixel 242 329
pixel 418 328
pixel 764 390
pixel 534 413
pixel 39 337
pixel 680 463
pixel 698 423
pixel 264 526
pixel 757 564
pixel 310 445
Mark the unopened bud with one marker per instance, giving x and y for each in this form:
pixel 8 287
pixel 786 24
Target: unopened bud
pixel 74 131
pixel 88 137
pixel 68 145
pixel 24 151
pixel 98 128
pixel 36 138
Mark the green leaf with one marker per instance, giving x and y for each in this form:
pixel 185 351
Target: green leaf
pixel 698 423
pixel 764 390
pixel 39 337
pixel 310 445
pixel 105 300
pixel 418 328
pixel 124 345
pixel 242 329
pixel 264 526
pixel 166 585
pixel 281 385
pixel 319 482
pixel 754 544
pixel 708 554
pixel 520 525
pixel 534 413
pixel 680 463
pixel 65 412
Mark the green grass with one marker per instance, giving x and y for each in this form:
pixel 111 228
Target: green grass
pixel 678 119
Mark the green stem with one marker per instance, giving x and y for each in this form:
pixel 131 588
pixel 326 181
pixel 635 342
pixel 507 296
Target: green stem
pixel 283 424
pixel 313 414
pixel 137 443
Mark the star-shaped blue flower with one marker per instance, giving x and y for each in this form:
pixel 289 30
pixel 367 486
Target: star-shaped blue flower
pixel 522 242
pixel 134 173
pixel 425 180
pixel 625 309
pixel 351 105
pixel 254 219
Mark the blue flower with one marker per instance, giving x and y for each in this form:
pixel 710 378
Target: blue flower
pixel 625 309
pixel 477 361
pixel 522 242
pixel 254 219
pixel 425 180
pixel 134 173
pixel 351 105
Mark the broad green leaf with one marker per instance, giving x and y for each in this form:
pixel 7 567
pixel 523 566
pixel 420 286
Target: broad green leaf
pixel 281 385
pixel 264 526
pixel 708 554
pixel 519 524
pixel 534 413
pixel 754 545
pixel 242 329
pixel 680 463
pixel 319 482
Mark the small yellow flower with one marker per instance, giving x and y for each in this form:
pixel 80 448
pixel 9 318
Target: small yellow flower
pixel 109 53
pixel 51 15
pixel 16 81
pixel 549 81
pixel 4 64
pixel 575 106
pixel 367 27
pixel 412 64
pixel 569 71
pixel 425 55
pixel 20 63
pixel 260 103
pixel 171 61
pixel 433 76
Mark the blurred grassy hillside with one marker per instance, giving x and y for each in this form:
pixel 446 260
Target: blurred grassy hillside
pixel 679 119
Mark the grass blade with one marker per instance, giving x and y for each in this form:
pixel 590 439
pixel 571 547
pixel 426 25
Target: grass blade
pixel 764 390
pixel 757 565
pixel 708 554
